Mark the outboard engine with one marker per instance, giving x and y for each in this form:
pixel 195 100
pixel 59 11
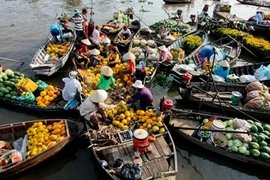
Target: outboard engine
pixel 165 105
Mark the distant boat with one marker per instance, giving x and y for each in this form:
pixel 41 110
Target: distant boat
pixel 255 3
pixel 177 1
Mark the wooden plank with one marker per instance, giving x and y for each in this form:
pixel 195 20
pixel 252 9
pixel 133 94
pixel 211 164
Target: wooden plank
pixel 185 123
pixel 124 155
pixel 154 154
pixel 165 147
pixel 163 164
pixel 150 168
pixel 155 165
pixel 144 157
pixel 146 172
pixel 159 148
pixel 115 155
pixel 108 157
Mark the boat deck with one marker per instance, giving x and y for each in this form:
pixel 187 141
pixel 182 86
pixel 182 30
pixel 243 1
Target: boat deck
pixel 184 123
pixel 152 162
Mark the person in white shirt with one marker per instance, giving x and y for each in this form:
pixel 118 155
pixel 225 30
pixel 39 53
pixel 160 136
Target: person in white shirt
pixel 92 105
pixel 72 85
pixel 96 36
pixel 125 32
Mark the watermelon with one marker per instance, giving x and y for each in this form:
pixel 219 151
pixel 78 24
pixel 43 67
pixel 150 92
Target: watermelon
pixel 16 159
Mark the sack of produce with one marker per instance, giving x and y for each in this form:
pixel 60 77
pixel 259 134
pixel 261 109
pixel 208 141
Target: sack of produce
pixel 239 123
pixel 41 85
pixel 242 137
pixel 253 94
pixel 266 106
pixel 256 86
pixel 27 97
pixel 255 103
pixel 26 84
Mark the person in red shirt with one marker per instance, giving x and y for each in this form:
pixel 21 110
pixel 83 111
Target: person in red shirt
pixel 131 64
pixel 84 46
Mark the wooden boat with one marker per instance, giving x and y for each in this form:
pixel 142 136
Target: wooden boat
pixel 203 94
pixel 44 65
pixel 134 28
pixel 255 3
pixel 162 160
pixel 111 27
pixel 179 44
pixel 232 49
pixel 222 10
pixel 12 132
pixel 249 69
pixel 177 1
pixel 187 120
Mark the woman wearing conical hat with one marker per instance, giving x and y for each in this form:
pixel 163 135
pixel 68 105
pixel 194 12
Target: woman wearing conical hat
pixel 164 54
pixel 106 78
pixel 223 69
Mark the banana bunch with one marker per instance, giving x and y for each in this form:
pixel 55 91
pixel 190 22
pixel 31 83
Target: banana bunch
pixel 176 35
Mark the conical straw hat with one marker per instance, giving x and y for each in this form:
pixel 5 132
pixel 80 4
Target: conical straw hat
pixel 94 52
pixel 99 96
pixel 128 56
pixel 106 70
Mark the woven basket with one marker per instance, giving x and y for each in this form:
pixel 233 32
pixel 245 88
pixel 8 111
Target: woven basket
pixel 178 56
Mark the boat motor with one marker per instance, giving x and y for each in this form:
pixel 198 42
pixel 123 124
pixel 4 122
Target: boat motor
pixel 165 105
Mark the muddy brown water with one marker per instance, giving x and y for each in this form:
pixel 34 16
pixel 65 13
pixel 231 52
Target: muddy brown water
pixel 24 27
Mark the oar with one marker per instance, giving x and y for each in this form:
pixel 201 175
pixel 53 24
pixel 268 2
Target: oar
pixel 12 60
pixel 166 12
pixel 213 130
pixel 243 46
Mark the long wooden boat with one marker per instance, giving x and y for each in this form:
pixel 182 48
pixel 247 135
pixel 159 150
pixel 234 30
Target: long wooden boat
pixel 110 27
pixel 177 1
pixel 134 28
pixel 232 49
pixel 259 28
pixel 249 69
pixel 222 11
pixel 162 161
pixel 194 94
pixel 12 132
pixel 187 120
pixel 179 44
pixel 44 65
pixel 255 3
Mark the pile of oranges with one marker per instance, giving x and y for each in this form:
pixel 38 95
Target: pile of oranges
pixel 47 96
pixel 42 137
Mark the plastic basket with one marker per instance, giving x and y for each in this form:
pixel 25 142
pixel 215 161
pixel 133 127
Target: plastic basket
pixel 178 56
pixel 219 135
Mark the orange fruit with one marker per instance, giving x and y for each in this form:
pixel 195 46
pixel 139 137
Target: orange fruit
pixel 51 99
pixel 149 121
pixel 50 88
pixel 43 93
pixel 46 98
pixel 47 103
pixel 54 96
pixel 39 98
pixel 58 93
pixel 50 93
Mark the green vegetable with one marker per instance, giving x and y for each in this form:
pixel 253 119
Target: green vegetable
pixel 242 149
pixel 260 138
pixel 230 143
pixel 247 152
pixel 263 143
pixel 245 145
pixel 254 129
pixel 250 122
pixel 265 149
pixel 255 152
pixel 234 148
pixel 205 120
pixel 218 141
pixel 237 143
pixel 254 139
pixel 254 145
pixel 266 133
pixel 9 72
pixel 266 127
pixel 230 122
pixel 259 126
pixel 264 155
pixel 229 136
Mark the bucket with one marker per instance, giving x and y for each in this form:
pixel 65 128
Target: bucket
pixel 206 135
pixel 140 140
pixel 67 35
pixel 218 125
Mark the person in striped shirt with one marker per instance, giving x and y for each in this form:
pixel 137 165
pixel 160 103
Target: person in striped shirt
pixel 77 19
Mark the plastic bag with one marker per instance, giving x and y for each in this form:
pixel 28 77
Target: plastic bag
pixel 27 97
pixel 131 172
pixel 41 85
pixel 242 137
pixel 20 145
pixel 247 78
pixel 262 73
pixel 7 158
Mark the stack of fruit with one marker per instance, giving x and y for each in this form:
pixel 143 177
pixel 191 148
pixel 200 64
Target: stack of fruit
pixel 8 79
pixel 47 96
pixel 57 49
pixel 42 137
pixel 149 71
pixel 124 117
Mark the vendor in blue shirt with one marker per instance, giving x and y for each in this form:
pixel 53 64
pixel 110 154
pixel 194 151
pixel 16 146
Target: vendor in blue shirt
pixel 259 17
pixel 206 52
pixel 223 69
pixel 55 30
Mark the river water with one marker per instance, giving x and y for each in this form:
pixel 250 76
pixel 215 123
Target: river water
pixel 24 28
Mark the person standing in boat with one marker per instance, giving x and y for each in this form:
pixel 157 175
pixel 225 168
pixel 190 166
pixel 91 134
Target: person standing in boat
pixel 164 54
pixel 223 69
pixel 205 9
pixel 125 32
pixel 94 60
pixel 258 18
pixel 143 96
pixel 71 86
pixel 85 23
pixel 94 105
pixel 96 37
pixel 56 30
pixel 77 58
pixel 78 21
pixel 106 78
pixel 179 15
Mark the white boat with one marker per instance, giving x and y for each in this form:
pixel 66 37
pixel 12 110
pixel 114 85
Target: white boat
pixel 45 65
